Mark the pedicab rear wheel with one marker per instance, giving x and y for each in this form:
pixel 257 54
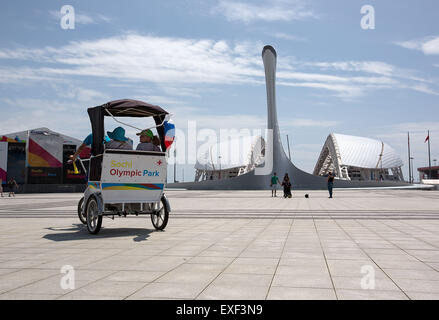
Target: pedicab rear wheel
pixel 160 215
pixel 82 215
pixel 94 220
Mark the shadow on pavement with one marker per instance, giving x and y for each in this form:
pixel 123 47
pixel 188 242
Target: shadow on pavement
pixel 80 232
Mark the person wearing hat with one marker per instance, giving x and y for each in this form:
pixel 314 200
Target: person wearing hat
pixel 118 140
pixel 146 144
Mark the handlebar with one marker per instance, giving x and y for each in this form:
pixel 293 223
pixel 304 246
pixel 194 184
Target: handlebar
pixel 81 161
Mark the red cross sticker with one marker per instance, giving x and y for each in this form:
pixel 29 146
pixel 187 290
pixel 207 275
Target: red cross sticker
pixel 159 162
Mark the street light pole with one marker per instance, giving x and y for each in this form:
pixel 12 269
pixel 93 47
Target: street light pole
pixel 429 157
pixel 175 163
pixel 412 170
pixel 410 165
pixel 219 157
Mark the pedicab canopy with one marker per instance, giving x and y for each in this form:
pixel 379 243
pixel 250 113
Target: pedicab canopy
pixel 123 108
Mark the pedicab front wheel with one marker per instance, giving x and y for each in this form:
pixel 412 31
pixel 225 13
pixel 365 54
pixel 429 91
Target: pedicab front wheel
pixel 94 220
pixel 160 215
pixel 82 215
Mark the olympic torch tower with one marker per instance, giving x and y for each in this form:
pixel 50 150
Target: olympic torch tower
pixel 281 163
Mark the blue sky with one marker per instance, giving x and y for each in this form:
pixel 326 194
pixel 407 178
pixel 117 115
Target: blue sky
pixel 202 61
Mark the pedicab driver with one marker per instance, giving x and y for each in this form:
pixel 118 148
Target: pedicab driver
pixel 86 143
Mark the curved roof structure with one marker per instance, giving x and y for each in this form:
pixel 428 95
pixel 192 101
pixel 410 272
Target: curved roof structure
pixel 237 152
pixel 365 152
pixel 342 151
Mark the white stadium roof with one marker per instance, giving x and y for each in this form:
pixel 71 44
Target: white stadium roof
pixel 237 152
pixel 365 152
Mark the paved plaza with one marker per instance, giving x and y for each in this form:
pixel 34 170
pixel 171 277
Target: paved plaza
pixel 363 244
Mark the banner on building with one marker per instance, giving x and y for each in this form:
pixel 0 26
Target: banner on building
pixel 3 161
pixel 17 162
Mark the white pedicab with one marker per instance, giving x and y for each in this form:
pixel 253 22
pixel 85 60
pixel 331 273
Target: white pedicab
pixel 125 182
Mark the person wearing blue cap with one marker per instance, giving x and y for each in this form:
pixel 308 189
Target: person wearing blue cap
pixel 118 140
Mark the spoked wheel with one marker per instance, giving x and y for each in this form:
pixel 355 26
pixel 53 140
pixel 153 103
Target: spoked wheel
pixel 82 216
pixel 160 215
pixel 94 220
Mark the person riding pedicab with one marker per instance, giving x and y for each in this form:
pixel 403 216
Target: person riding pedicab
pixel 118 140
pixel 146 141
pixel 156 142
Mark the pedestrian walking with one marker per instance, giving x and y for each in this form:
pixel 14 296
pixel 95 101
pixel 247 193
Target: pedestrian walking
pixel 273 184
pixel 286 183
pixel 12 186
pixel 330 183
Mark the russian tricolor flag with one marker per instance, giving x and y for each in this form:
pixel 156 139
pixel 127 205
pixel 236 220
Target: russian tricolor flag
pixel 169 133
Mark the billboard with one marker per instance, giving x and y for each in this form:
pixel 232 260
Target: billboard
pixel 132 177
pixel 44 157
pixel 44 175
pixel 45 149
pixel 17 162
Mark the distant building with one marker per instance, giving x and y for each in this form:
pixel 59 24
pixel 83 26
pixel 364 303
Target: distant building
pixel 358 158
pixel 230 158
pixel 424 173
pixel 39 156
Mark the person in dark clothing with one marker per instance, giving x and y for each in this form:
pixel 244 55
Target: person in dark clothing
pixel 12 186
pixel 330 183
pixel 286 183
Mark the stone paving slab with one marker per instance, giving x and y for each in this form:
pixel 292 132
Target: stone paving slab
pixel 228 245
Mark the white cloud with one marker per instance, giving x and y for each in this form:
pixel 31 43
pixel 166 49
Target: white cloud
pixel 376 67
pixel 342 90
pixel 273 11
pixel 155 59
pixel 425 89
pixel 81 94
pixel 428 45
pixel 180 64
pixel 28 113
pixel 286 36
pixel 431 46
pixel 308 123
pixel 9 75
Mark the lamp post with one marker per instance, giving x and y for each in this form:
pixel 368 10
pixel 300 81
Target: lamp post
pixel 411 173
pixel 175 164
pixel 219 158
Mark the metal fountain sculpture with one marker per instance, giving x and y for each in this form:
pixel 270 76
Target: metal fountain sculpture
pixel 275 154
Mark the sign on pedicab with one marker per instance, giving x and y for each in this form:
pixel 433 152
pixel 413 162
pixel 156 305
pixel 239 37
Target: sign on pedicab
pixel 138 177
